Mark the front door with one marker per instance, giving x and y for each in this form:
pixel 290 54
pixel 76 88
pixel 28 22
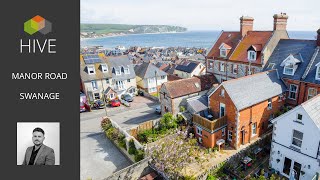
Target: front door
pixel 291 168
pixel 242 136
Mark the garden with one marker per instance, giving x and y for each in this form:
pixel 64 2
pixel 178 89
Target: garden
pixel 167 125
pixel 119 140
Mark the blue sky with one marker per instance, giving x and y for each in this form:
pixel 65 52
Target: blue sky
pixel 202 14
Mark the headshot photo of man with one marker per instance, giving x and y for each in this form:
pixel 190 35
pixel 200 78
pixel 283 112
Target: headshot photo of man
pixel 38 144
pixel 39 154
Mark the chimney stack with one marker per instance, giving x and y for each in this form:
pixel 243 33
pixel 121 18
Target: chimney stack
pixel 246 24
pixel 318 37
pixel 280 21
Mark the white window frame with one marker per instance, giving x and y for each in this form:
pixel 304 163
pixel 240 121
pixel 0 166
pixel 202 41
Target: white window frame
pixel 254 53
pixel 223 132
pixel 126 71
pixel 151 80
pixel 128 80
pixel 223 52
pixel 311 96
pixel 108 81
pixel 104 68
pixel 296 139
pixel 254 129
pixel 234 69
pixel 118 72
pixel 111 97
pixel 199 131
pixel 200 140
pixel 318 73
pixel 91 68
pixel 163 77
pixel 96 97
pixel 210 65
pixel 220 112
pixel 222 67
pixel 295 92
pixel 290 67
pixel 120 85
pixel 270 103
pixel 230 134
pixel 94 85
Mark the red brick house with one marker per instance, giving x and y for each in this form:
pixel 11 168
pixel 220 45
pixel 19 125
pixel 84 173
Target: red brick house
pixel 240 110
pixel 298 64
pixel 240 53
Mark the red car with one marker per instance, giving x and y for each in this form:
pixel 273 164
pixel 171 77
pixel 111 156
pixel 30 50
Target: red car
pixel 115 103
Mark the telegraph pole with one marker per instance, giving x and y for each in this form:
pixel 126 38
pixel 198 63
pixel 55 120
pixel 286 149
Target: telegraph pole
pixel 155 72
pixel 104 98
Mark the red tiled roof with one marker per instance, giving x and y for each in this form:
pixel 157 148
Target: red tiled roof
pixel 252 38
pixel 183 87
pixel 171 77
pixel 230 38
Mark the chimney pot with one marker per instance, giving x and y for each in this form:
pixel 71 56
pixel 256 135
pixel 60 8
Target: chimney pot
pixel 280 21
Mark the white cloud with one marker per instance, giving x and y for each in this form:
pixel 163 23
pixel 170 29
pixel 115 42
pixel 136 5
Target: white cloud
pixel 202 14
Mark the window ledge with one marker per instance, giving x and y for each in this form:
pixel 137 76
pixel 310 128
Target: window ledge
pixel 299 122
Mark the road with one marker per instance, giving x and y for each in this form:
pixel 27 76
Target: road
pixel 99 157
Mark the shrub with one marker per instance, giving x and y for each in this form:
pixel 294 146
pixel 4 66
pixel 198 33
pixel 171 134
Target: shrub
pixel 168 121
pixel 139 155
pixel 132 147
pixel 211 177
pixel 122 142
pixel 112 133
pixel 106 124
pixel 182 109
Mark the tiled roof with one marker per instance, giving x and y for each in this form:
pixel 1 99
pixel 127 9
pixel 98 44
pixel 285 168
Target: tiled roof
pixel 198 103
pixel 121 61
pixel 312 107
pixel 171 77
pixel 249 90
pixel 147 70
pixel 256 38
pixel 230 38
pixel 182 87
pixel 303 50
pixel 187 67
pixel 98 71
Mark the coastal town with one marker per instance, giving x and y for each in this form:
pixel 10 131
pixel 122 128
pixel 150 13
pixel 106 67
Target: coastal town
pixel 246 108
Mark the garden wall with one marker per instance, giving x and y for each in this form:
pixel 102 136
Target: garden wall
pixel 133 172
pixel 146 94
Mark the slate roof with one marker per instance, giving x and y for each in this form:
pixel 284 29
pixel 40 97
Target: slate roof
pixel 249 90
pixel 182 87
pixel 300 49
pixel 98 71
pixel 232 39
pixel 121 61
pixel 189 68
pixel 257 38
pixel 312 107
pixel 198 104
pixel 147 70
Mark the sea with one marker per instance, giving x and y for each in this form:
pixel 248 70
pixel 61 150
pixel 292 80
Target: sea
pixel 199 39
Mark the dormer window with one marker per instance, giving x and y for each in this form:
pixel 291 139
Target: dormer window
pixel 290 64
pixel 118 72
pixel 252 55
pixel 288 69
pixel 224 48
pixel 104 68
pixel 122 69
pixel 91 70
pixel 318 71
pixel 126 70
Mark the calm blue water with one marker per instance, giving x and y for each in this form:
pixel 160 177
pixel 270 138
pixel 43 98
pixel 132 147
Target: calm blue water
pixel 204 39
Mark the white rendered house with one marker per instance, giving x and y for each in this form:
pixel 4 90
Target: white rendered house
pixel 295 149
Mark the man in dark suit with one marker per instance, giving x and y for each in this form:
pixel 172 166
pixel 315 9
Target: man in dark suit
pixel 39 154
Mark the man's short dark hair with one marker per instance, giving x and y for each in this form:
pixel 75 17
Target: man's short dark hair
pixel 38 130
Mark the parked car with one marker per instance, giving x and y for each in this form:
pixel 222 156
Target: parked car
pixel 158 109
pixel 98 104
pixel 82 107
pixel 115 103
pixel 127 97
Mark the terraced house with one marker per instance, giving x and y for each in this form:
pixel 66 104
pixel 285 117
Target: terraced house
pixel 240 110
pixel 298 64
pixel 106 76
pixel 245 52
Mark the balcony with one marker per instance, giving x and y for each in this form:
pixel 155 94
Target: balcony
pixel 210 124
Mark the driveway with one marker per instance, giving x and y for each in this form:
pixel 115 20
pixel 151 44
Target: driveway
pixel 99 158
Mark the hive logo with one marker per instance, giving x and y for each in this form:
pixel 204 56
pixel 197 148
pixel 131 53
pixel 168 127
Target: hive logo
pixel 41 45
pixel 36 24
